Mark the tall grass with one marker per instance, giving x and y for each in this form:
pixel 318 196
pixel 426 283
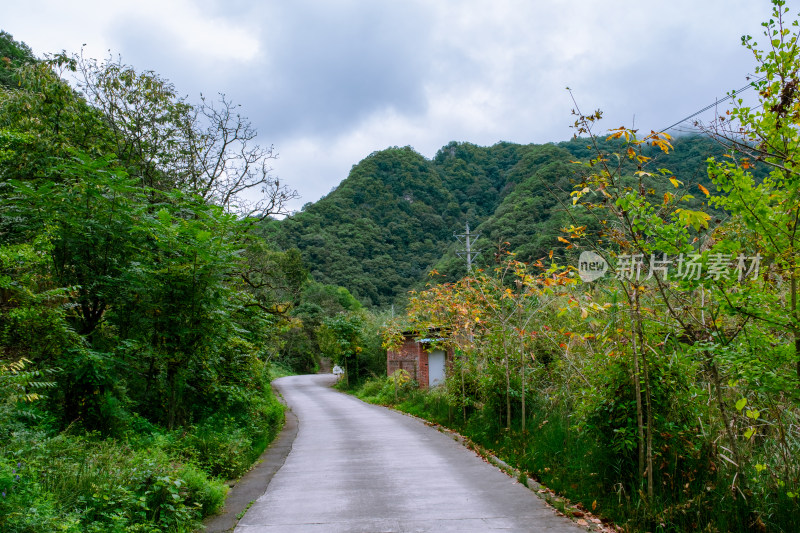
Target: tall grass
pixel 147 480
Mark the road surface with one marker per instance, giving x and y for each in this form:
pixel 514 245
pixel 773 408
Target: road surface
pixel 355 467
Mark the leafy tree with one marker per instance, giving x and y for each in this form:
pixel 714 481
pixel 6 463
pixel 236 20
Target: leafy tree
pixel 343 342
pixel 134 296
pixel 766 210
pixel 207 149
pixel 12 54
pixel 275 279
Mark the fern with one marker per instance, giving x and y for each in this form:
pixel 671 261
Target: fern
pixel 18 384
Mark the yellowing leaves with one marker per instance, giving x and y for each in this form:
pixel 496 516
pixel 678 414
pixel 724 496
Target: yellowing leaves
pixel 661 141
pixel 619 133
pixel 575 232
pixel 696 219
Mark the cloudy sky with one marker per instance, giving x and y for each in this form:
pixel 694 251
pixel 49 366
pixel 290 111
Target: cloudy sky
pixel 327 82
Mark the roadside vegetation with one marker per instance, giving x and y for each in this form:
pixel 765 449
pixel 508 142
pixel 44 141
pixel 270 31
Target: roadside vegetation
pixel 664 395
pixel 148 298
pixel 142 314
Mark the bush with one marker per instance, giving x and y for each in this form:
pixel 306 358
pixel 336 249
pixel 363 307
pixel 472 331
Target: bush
pixel 84 484
pixel 226 445
pixel 386 391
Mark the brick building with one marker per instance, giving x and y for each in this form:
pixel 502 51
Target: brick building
pixel 425 364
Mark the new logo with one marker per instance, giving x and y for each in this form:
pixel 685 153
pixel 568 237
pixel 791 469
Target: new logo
pixel 591 266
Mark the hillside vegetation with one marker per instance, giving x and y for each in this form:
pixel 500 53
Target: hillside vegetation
pixel 138 309
pixel 393 219
pixel 655 381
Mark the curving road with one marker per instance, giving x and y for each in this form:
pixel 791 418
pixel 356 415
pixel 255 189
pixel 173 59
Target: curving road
pixel 355 467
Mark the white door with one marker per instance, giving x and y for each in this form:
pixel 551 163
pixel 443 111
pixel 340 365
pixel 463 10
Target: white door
pixel 435 368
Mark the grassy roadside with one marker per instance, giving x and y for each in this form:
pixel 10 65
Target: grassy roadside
pixel 146 479
pixel 578 475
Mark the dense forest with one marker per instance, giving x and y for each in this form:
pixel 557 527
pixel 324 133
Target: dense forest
pixel 393 219
pixel 142 313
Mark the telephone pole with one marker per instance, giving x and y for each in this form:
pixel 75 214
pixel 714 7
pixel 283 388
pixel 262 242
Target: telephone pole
pixel 467 240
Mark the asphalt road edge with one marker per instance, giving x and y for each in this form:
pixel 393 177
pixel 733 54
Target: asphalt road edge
pixel 560 505
pixel 254 483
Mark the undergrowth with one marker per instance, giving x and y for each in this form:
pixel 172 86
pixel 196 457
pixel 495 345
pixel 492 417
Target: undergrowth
pixel 148 479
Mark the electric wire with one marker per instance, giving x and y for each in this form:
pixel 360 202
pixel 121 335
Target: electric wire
pixel 716 103
pixel 731 95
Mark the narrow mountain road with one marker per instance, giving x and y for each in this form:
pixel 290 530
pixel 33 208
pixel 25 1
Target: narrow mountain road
pixel 355 467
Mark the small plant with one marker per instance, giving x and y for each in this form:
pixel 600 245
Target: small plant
pixel 399 379
pixel 241 513
pixel 18 384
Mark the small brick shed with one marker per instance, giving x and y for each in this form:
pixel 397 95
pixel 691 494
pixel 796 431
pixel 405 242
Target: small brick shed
pixel 426 365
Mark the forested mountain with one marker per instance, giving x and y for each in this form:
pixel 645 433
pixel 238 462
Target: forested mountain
pixel 394 217
pixel 383 226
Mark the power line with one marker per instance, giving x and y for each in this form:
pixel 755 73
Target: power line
pixel 717 102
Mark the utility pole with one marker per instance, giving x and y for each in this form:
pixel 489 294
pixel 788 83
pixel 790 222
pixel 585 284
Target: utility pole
pixel 467 240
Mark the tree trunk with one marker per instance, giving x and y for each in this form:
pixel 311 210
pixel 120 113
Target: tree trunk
pixel 522 403
pixel 463 392
pixel 648 397
pixel 796 314
pixel 637 386
pixel 172 399
pixel 508 383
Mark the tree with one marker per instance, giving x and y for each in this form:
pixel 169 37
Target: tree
pixel 206 149
pixel 12 54
pixel 343 342
pixel 768 209
pixel 275 279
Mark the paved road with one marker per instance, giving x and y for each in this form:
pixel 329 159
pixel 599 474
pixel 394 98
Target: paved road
pixel 356 467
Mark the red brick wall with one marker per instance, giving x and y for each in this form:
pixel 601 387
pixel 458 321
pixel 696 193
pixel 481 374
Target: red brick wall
pixel 412 358
pixel 424 378
pixel 406 357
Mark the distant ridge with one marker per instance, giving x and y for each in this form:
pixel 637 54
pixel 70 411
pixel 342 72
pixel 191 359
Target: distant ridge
pixel 392 219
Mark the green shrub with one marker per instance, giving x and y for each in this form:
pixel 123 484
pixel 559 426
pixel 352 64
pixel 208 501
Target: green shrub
pixel 225 445
pixel 85 484
pixel 385 390
pixel 209 495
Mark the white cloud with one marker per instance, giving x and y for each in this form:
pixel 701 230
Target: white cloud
pixel 329 82
pixel 50 26
pixel 192 30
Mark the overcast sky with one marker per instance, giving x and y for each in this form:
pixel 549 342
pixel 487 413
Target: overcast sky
pixel 328 82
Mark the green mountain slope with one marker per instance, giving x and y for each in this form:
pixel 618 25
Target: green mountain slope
pixel 379 230
pixel 393 218
pixel 477 176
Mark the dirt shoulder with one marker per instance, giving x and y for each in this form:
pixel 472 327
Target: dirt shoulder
pixel 254 483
